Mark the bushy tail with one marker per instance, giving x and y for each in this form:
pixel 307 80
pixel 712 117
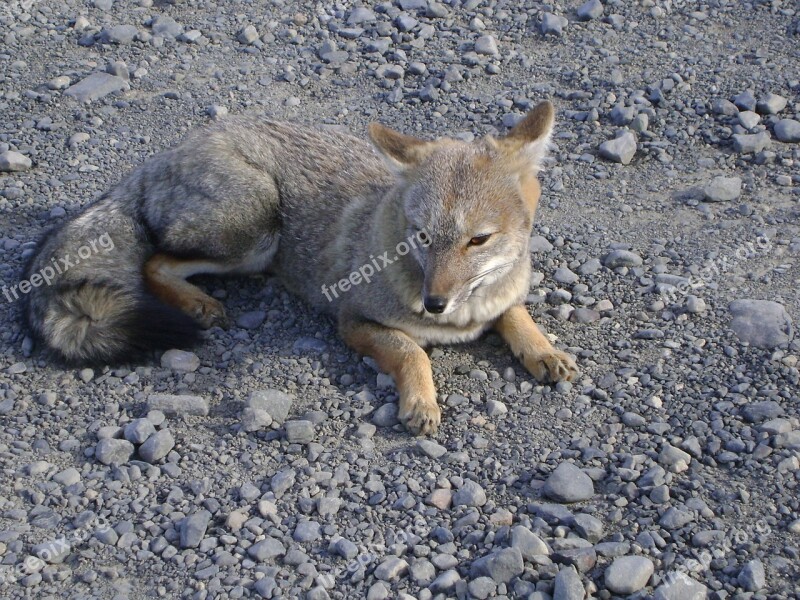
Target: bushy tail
pixel 95 307
pixel 96 322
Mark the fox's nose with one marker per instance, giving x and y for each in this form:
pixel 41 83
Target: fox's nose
pixel 435 304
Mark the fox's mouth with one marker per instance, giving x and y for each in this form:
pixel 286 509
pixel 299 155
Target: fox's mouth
pixel 475 283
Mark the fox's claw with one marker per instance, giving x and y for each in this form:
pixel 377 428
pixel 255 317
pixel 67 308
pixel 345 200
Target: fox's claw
pixel 421 416
pixel 552 366
pixel 210 313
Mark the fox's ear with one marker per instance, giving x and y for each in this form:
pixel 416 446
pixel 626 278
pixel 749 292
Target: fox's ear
pixel 400 149
pixel 530 137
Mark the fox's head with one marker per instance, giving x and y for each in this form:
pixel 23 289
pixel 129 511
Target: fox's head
pixel 471 203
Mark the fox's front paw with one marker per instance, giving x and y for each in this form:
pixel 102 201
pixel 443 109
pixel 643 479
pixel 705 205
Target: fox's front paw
pixel 420 415
pixel 552 366
pixel 209 312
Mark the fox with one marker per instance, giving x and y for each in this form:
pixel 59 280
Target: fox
pixel 406 242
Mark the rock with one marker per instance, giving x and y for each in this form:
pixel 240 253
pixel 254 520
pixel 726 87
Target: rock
pixel 299 432
pixel 724 107
pixel 445 582
pixel 679 586
pixel 67 477
pixel 469 494
pixel 745 101
pixel 761 323
pixel 487 45
pixel 12 162
pixel 622 115
pixel 482 588
pixel 178 405
pixel 752 577
pixel 588 527
pixel 251 320
pixel 96 86
pixel 553 24
pixel 744 143
pixel 756 412
pixel 593 9
pixel 282 481
pixel 621 258
pixel 266 549
pixel 274 402
pixel 528 543
pixel 361 15
pixel 266 587
pixel 788 131
pixel 157 446
pixel 748 119
pixel 771 104
pixel 193 528
pixel 166 26
pixel 674 458
pixel 254 419
pixel 619 150
pixel 119 34
pixel 180 360
pixel 113 452
pixel 723 189
pixel 431 449
pixel 568 585
pixel 567 483
pixel 307 531
pixel 391 568
pixel 247 35
pixel 138 430
pixel 628 574
pixel 565 276
pixel 674 518
pixel 386 415
pixel 216 111
pixel 501 565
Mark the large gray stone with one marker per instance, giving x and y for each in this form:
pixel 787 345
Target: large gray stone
pixel 178 404
pixel 568 585
pixel 113 452
pixel 788 131
pixel 266 549
pixel 274 402
pixel 501 565
pixel 96 86
pixel 628 574
pixel 193 528
pixel 11 162
pixel 723 189
pixel 469 494
pixel 619 150
pixel 679 586
pixel 593 9
pixel 752 577
pixel 157 446
pixel 761 323
pixel 567 483
pixel 745 143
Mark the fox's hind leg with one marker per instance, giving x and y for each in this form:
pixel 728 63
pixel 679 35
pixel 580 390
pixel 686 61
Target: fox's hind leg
pixel 166 277
pixel 409 365
pixel 533 349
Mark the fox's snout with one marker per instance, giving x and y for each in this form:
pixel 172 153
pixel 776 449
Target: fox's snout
pixel 435 304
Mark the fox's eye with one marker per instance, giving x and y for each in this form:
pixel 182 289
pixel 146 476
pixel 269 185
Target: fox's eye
pixel 479 240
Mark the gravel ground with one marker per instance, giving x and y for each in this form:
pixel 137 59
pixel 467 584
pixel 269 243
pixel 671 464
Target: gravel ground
pixel 269 463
